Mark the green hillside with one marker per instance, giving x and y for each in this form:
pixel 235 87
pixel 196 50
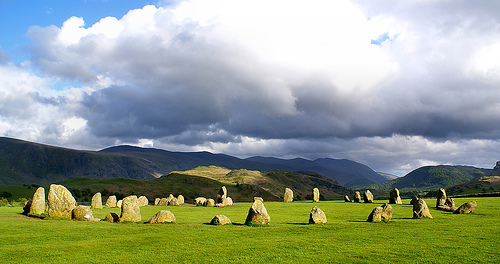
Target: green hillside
pixel 433 177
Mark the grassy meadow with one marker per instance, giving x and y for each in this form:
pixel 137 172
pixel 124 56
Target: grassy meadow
pixel 346 238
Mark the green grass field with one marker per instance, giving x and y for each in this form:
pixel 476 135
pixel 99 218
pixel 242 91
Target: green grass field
pixel 346 238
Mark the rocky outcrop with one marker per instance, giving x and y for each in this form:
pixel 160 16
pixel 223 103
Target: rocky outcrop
pixel 96 202
pixel 257 213
pixel 394 197
pixel 466 208
pixel 83 213
pixel 220 220
pixel 381 213
pixel 111 201
pixel 288 196
pixel 316 195
pixel 317 216
pixel 131 211
pixel 368 196
pixel 357 197
pixel 162 216
pixel 420 209
pixel 60 202
pixel 38 202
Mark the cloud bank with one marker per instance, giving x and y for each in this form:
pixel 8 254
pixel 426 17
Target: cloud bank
pixel 392 84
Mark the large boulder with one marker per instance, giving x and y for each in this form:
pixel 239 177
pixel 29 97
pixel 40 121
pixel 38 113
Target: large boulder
pixel 381 213
pixel 357 197
pixel 157 201
pixel 143 201
pixel 169 198
pixel 38 202
pixel 317 216
pixel 112 218
pixel 131 211
pixel 316 195
pixel 466 208
pixel 119 203
pixel 200 201
pixel 220 220
pixel 257 213
pixel 347 199
pixel 394 197
pixel 60 202
pixel 96 202
pixel 441 197
pixel 222 194
pixel 288 196
pixel 162 216
pixel 449 205
pixel 83 213
pixel 368 196
pixel 229 201
pixel 420 209
pixel 180 199
pixel 111 201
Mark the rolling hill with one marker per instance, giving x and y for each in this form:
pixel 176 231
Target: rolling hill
pixel 23 162
pixel 430 178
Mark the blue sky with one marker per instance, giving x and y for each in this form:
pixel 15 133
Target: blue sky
pixel 392 84
pixel 19 15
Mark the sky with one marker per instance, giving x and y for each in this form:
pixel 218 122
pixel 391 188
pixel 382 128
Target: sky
pixel 392 84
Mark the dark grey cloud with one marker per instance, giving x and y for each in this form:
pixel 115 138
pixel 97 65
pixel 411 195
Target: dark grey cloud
pixel 380 82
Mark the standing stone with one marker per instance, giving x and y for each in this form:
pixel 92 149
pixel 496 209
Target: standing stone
pixel 229 201
pixel 220 220
pixel 143 201
pixel 162 216
pixel 38 202
pixel 257 213
pixel 357 197
pixel 347 199
pixel 83 213
pixel 315 195
pixel 466 208
pixel 420 209
pixel 414 200
pixel 317 216
pixel 448 206
pixel 60 202
pixel 394 197
pixel 200 201
pixel 180 199
pixel 210 203
pixel 111 201
pixel 381 213
pixel 222 194
pixel 131 211
pixel 173 202
pixel 449 202
pixel 27 207
pixel 288 197
pixel 169 198
pixel 368 196
pixel 157 201
pixel 119 203
pixel 163 202
pixel 441 197
pixel 96 201
pixel 112 218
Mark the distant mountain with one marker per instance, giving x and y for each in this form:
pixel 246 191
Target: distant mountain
pixel 486 184
pixel 433 177
pixel 23 162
